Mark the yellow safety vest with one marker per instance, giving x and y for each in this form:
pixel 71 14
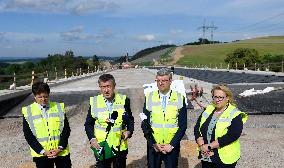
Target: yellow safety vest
pixel 47 132
pixel 164 124
pixel 100 112
pixel 230 153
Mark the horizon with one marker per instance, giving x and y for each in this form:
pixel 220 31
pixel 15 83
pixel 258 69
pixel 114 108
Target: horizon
pixel 36 28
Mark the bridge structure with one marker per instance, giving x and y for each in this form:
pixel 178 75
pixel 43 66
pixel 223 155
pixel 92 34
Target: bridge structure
pixel 75 94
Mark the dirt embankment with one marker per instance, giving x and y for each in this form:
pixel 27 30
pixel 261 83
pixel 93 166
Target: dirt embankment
pixel 176 55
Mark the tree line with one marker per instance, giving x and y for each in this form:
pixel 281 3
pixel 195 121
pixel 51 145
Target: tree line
pixel 60 61
pixel 250 56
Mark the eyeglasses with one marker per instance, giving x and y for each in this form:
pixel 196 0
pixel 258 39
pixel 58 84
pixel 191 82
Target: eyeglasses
pixel 106 87
pixel 162 81
pixel 219 97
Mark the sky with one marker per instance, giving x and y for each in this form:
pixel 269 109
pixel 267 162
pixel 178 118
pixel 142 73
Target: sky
pixel 36 28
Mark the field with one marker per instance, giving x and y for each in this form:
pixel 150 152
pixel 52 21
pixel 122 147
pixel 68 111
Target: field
pixel 215 53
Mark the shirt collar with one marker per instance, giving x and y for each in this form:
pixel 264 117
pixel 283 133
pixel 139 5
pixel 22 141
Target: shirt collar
pixel 167 94
pixel 109 102
pixel 44 107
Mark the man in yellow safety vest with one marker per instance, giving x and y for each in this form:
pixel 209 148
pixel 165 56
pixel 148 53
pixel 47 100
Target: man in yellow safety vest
pixel 167 116
pixel 109 124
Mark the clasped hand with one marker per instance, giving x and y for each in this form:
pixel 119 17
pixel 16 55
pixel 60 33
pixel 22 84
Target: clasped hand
pixel 205 151
pixel 52 153
pixel 164 148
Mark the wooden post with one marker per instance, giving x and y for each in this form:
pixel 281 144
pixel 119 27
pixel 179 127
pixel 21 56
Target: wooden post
pixel 80 71
pixel 254 66
pixel 77 74
pixel 244 66
pixel 15 81
pixel 228 67
pixel 88 69
pixel 282 66
pixel 33 77
pixel 56 77
pixel 65 73
pixel 236 66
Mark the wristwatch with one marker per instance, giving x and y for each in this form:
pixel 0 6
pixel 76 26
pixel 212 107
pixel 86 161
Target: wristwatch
pixel 60 148
pixel 209 147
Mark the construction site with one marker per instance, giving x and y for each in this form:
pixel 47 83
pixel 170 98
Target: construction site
pixel 262 142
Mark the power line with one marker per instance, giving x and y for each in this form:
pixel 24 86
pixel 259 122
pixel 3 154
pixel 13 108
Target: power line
pixel 204 28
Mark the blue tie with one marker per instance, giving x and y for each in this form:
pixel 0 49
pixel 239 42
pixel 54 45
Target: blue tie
pixel 164 103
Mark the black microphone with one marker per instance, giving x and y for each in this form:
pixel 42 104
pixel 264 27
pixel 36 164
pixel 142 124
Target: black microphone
pixel 112 119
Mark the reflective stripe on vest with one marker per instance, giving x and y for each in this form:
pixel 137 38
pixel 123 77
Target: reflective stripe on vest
pixel 96 110
pixel 164 125
pixel 150 102
pixel 116 129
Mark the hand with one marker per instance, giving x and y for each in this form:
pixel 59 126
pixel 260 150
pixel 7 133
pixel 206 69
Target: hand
pixel 204 150
pixel 168 148
pixel 95 144
pixel 125 135
pixel 158 147
pixel 53 153
pixel 47 153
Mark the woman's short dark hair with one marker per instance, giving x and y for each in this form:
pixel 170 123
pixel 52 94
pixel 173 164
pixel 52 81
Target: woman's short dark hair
pixel 106 77
pixel 40 87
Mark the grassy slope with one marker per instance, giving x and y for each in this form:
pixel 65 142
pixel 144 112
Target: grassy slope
pixel 215 53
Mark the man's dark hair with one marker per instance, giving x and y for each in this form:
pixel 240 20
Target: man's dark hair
pixel 40 87
pixel 106 77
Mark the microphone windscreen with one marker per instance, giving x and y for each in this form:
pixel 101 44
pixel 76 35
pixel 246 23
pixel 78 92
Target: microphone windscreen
pixel 114 115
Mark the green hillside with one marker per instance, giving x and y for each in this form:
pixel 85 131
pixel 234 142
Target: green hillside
pixel 215 53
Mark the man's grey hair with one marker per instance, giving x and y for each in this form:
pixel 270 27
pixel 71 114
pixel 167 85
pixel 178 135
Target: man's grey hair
pixel 164 71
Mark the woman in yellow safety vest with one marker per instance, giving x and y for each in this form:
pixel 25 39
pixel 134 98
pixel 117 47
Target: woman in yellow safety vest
pixel 218 129
pixel 46 129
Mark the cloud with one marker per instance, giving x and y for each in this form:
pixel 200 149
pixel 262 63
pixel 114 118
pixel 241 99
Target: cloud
pixel 77 7
pixel 75 34
pixel 107 33
pixel 21 37
pixel 177 31
pixel 146 37
pixel 34 40
pixel 2 36
pixel 36 5
pixel 89 6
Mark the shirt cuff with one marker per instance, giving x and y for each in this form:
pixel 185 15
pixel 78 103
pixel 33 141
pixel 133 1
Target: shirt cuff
pixel 42 152
pixel 93 139
pixel 60 148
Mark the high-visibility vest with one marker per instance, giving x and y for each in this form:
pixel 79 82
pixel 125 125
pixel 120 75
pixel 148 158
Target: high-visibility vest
pixel 164 124
pixel 230 153
pixel 47 132
pixel 101 113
